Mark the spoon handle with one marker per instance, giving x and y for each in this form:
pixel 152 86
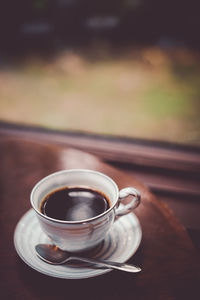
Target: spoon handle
pixel 109 264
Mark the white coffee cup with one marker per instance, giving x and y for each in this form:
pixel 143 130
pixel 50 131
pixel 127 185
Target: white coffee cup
pixel 82 235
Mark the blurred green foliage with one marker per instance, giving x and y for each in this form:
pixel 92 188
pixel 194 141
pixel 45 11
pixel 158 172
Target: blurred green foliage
pixel 145 93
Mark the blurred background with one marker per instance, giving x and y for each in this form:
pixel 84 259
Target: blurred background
pixel 124 68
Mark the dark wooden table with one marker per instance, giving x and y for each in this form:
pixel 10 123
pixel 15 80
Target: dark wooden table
pixel 169 259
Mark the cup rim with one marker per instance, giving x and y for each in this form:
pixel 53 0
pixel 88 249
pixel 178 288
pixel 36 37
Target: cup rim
pixel 74 171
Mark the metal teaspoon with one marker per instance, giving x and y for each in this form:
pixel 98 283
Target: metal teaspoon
pixel 53 255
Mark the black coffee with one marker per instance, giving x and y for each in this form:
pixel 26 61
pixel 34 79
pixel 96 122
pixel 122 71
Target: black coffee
pixel 74 204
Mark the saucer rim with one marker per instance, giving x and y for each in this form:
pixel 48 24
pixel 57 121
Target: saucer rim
pixel 63 276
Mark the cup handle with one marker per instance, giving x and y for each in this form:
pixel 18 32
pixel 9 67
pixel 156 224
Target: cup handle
pixel 135 201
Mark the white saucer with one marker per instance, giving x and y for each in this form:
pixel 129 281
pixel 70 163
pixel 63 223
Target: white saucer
pixel 119 245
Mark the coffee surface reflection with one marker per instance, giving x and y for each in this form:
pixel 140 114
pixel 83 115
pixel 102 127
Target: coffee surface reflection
pixel 74 204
